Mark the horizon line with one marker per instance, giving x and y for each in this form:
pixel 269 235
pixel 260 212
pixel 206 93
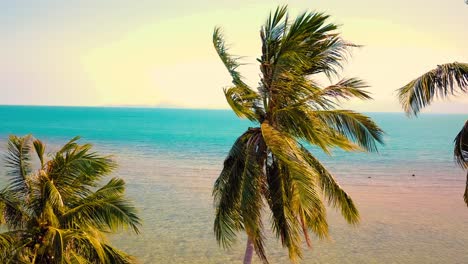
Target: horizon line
pixel 192 108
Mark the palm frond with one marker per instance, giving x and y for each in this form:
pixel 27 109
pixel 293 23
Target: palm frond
pixel 440 82
pixel 105 212
pixel 76 169
pixel 465 195
pixel 52 195
pixel 244 102
pixel 336 196
pixel 88 245
pixel 283 219
pixel 227 193
pixel 355 126
pixel 113 255
pixel 292 52
pixel 12 213
pixel 71 144
pixel 14 246
pixel 288 152
pixel 6 241
pixel 347 88
pixel 57 245
pixel 18 162
pixel 460 151
pixel 300 122
pixel 271 34
pixel 306 201
pixel 231 62
pixel 39 147
pixel 310 46
pixel 251 195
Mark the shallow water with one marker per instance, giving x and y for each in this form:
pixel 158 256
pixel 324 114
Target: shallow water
pixel 170 159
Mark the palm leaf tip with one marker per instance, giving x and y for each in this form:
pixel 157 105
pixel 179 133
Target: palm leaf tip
pixel 460 150
pixel 244 101
pixel 441 82
pixel 230 62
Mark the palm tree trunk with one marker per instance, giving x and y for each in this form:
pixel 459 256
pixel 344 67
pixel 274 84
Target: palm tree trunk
pixel 248 251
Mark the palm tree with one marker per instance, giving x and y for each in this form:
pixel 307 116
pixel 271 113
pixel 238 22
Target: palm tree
pixel 60 212
pixel 269 164
pixel 444 81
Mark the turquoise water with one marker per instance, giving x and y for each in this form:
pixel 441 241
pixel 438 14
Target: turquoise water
pixel 171 157
pixel 205 136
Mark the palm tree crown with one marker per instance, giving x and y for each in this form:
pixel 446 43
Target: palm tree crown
pixel 446 80
pixel 59 212
pixel 269 164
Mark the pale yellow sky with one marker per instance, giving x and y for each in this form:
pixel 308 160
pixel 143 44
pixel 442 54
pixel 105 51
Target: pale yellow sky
pixel 160 54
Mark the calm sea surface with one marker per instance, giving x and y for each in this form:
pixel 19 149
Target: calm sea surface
pixel 171 157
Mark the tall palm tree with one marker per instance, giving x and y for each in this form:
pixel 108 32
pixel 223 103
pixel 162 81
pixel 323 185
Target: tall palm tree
pixel 444 81
pixel 269 164
pixel 60 212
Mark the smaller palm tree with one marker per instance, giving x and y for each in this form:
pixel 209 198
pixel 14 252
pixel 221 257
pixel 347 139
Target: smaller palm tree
pixel 444 81
pixel 59 213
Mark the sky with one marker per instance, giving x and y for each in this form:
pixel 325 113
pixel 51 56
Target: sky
pixel 159 53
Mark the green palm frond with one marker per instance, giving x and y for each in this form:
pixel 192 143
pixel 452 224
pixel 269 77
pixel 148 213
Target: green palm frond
pixel 292 52
pixel 327 98
pixel 336 196
pixel 113 255
pixel 440 82
pixel 465 195
pixel 302 123
pixel 251 194
pixel 106 213
pixel 57 246
pixel 18 162
pixel 71 144
pixel 231 62
pixel 288 152
pixel 244 101
pixel 75 169
pixel 13 250
pixel 354 126
pixel 460 151
pixel 13 213
pixel 88 245
pixel 347 88
pixel 227 193
pixel 39 147
pixel 6 241
pixel 303 180
pixel 52 195
pixel 280 199
pixel 311 46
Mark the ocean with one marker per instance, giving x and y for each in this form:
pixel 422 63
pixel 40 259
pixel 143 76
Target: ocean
pixel 171 157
